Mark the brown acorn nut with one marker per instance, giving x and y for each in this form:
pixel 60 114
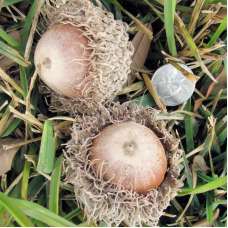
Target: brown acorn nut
pixel 130 155
pixel 62 59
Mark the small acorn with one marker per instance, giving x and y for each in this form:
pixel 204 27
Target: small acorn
pixel 83 57
pixel 131 156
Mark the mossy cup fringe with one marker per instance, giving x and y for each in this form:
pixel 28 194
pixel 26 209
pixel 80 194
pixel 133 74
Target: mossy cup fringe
pixel 103 201
pixel 111 52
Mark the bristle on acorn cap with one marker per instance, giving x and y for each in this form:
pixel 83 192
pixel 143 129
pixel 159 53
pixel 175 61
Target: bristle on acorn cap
pixel 98 197
pixel 111 52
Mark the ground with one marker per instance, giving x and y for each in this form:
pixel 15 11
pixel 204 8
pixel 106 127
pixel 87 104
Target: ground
pixel 193 32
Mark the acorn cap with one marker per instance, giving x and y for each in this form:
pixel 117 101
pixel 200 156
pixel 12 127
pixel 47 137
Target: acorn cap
pixel 100 197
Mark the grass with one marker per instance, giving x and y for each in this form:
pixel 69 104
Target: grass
pixel 169 14
pixel 33 192
pixel 47 149
pixel 55 186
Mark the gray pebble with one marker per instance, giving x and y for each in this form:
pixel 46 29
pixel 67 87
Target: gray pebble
pixel 172 86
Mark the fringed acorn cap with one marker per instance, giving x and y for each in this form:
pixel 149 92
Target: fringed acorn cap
pixel 110 53
pixel 104 201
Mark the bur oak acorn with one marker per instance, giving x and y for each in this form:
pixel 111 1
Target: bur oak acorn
pixel 83 57
pixel 123 163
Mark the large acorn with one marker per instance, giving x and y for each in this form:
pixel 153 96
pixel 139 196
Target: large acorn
pixel 123 164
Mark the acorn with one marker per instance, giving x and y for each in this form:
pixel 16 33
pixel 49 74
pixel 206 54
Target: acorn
pixel 62 59
pixel 123 165
pixel 130 155
pixel 84 56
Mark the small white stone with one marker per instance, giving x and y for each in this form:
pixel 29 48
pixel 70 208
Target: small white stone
pixel 172 86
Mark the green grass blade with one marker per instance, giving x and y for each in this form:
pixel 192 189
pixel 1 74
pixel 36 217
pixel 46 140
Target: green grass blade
pixel 27 25
pixel 205 178
pixel 47 149
pixel 42 214
pixel 169 12
pixel 24 38
pixel 225 64
pixel 23 80
pixel 10 2
pixel 5 117
pixel 15 211
pixel 222 136
pixel 54 187
pixel 39 213
pixel 26 174
pixel 12 54
pixel 209 207
pixel 217 183
pixel 216 1
pixel 72 214
pixel 222 27
pixel 189 129
pixel 25 179
pixel 10 129
pixel 8 38
pixel 145 100
pixel 10 50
